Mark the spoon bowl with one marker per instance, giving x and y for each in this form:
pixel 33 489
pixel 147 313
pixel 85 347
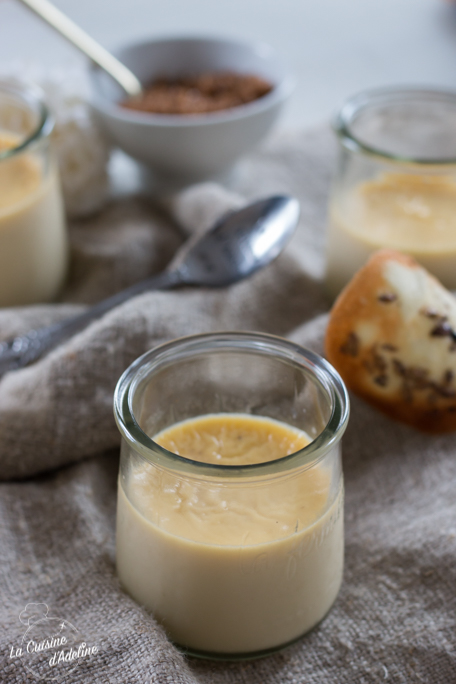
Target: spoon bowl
pixel 239 243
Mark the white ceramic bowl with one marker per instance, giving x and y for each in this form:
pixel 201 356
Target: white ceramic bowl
pixel 191 147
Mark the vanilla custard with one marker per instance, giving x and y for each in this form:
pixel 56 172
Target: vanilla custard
pixel 411 213
pixel 231 567
pixel 33 245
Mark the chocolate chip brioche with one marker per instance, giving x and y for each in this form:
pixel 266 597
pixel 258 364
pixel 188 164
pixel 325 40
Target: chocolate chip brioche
pixel 392 337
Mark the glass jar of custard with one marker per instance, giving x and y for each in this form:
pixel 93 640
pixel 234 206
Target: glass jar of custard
pixel 230 498
pixel 33 238
pixel 395 183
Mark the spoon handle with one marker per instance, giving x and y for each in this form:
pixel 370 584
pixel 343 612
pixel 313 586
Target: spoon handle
pixel 23 350
pixel 80 39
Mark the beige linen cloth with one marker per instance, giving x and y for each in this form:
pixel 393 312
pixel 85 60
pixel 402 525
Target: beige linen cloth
pixel 395 617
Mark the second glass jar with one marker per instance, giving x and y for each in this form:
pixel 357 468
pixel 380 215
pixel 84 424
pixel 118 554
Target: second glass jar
pixel 395 184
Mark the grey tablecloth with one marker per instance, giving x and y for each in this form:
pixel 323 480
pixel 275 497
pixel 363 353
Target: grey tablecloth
pixel 395 618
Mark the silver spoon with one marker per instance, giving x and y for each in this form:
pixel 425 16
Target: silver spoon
pixel 80 39
pixel 239 244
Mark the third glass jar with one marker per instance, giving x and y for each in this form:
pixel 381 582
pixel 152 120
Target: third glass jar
pixel 395 183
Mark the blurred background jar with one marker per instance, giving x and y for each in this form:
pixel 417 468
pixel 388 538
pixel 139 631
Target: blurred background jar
pixel 33 237
pixel 395 183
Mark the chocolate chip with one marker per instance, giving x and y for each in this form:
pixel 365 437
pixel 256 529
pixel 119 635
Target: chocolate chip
pixel 448 376
pixel 389 347
pixel 351 345
pixel 379 362
pixel 381 380
pixel 387 297
pixel 442 329
pixel 399 367
pixel 414 378
pixel 375 363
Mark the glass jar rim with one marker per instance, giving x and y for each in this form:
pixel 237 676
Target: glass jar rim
pixel 34 97
pixel 343 120
pixel 326 376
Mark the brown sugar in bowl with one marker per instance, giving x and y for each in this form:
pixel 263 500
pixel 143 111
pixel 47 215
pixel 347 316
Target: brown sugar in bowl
pixel 208 92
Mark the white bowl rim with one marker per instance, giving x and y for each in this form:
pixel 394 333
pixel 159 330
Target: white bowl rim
pixel 280 92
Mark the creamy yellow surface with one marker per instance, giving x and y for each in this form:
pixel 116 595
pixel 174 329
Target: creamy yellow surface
pixel 33 247
pixel 231 567
pixel 232 439
pixel 415 214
